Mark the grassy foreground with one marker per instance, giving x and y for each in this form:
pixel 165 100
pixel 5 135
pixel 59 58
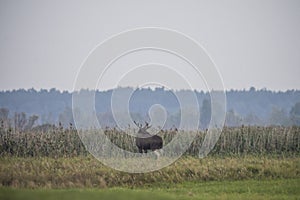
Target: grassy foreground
pixel 87 172
pixel 247 189
pixel 242 177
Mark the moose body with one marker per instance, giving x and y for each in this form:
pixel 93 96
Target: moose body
pixel 145 141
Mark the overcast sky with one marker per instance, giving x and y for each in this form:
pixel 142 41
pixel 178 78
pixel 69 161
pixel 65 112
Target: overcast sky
pixel 253 43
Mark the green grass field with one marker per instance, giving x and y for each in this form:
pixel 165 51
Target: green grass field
pixel 247 189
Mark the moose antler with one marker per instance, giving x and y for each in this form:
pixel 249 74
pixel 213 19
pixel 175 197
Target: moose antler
pixel 146 126
pixel 137 124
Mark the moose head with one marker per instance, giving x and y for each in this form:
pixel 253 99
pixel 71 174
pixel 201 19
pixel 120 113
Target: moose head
pixel 142 132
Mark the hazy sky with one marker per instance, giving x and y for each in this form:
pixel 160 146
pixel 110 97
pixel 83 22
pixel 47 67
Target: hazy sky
pixel 253 43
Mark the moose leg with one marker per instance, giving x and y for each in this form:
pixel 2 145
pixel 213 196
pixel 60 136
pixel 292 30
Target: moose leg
pixel 140 150
pixel 157 154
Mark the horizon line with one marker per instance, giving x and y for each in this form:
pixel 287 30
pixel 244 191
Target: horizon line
pixel 147 88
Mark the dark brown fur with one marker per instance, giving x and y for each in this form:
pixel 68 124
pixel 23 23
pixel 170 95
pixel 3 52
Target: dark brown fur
pixel 145 141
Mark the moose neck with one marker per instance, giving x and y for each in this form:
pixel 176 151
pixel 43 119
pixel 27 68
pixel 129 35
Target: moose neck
pixel 143 133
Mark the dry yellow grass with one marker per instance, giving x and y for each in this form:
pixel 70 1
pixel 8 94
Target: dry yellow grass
pixel 233 141
pixel 81 172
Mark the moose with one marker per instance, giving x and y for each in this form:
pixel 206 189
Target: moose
pixel 145 141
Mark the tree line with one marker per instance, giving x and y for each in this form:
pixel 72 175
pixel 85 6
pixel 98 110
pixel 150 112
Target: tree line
pixel 23 109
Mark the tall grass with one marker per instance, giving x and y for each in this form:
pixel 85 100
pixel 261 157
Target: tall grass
pixel 84 171
pixel 59 142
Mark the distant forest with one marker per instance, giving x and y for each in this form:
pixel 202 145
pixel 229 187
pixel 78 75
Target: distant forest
pixel 26 109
